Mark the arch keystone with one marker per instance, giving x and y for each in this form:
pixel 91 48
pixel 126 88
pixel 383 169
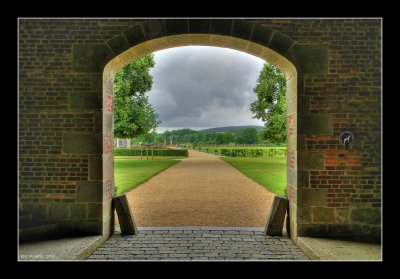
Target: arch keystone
pixel 242 29
pixel 176 26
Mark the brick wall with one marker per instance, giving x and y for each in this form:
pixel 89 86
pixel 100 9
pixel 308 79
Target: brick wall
pixel 65 154
pixel 349 96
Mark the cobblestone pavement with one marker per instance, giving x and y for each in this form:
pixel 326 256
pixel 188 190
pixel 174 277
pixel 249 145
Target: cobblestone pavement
pixel 198 244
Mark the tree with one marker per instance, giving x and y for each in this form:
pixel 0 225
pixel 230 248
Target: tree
pixel 228 137
pixel 133 114
pixel 246 136
pixel 270 106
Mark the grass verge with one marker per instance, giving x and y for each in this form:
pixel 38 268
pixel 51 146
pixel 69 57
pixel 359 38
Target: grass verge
pixel 130 171
pixel 267 171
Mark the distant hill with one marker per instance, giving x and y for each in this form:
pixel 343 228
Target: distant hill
pixel 231 129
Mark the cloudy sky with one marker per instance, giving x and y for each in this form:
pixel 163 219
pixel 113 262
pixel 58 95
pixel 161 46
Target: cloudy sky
pixel 203 87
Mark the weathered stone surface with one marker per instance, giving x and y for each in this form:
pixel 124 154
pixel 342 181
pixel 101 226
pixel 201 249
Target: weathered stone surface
pixel 78 211
pixel 303 106
pixel 199 26
pixel 315 124
pixel 300 85
pixel 292 142
pixel 291 104
pixel 108 89
pixel 221 27
pixel 261 35
pixel 98 121
pixel 238 44
pixel 322 215
pixel 108 166
pixel 311 58
pixel 342 215
pixel 301 142
pixel 108 208
pixel 125 216
pixel 254 49
pixel 366 215
pixel 199 39
pixel 304 214
pixel 89 192
pixel 280 43
pixel 134 35
pixel 303 179
pixel 312 229
pixel 375 234
pixel 288 220
pixel 118 44
pixel 242 29
pixel 85 100
pixel 82 143
pixel 58 212
pixel 311 197
pixel 85 227
pixel 176 26
pixel 94 211
pixel 108 225
pixel 40 232
pixel 310 160
pixel 153 28
pixel 347 230
pixel 108 121
pixel 97 82
pixel 219 41
pixel 291 176
pixel 90 58
pixel 277 216
pixel 40 211
pixel 95 167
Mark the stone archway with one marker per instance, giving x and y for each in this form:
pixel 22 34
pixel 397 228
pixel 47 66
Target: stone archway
pixel 150 36
pixel 65 113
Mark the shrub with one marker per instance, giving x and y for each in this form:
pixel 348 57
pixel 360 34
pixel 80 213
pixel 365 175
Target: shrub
pixel 156 152
pixel 250 152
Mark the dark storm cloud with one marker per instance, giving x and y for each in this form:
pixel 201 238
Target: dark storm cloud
pixel 204 87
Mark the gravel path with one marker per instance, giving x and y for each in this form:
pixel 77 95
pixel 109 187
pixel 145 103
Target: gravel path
pixel 202 190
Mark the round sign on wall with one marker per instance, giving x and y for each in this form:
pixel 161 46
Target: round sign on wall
pixel 346 138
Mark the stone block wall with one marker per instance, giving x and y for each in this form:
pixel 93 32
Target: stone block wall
pixel 66 105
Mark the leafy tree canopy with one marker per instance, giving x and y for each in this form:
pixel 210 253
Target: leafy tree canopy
pixel 133 114
pixel 246 136
pixel 270 106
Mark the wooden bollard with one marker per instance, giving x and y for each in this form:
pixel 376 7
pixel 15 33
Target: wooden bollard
pixel 125 216
pixel 276 216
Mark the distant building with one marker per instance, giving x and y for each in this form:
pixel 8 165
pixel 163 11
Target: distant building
pixel 122 143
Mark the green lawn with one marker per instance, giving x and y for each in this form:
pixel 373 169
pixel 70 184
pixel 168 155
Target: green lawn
pixel 130 171
pixel 267 171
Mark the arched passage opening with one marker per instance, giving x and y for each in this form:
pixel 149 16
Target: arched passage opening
pixel 64 144
pixel 256 48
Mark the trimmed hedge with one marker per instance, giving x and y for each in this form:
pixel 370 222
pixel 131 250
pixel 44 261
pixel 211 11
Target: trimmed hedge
pixel 156 152
pixel 264 152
